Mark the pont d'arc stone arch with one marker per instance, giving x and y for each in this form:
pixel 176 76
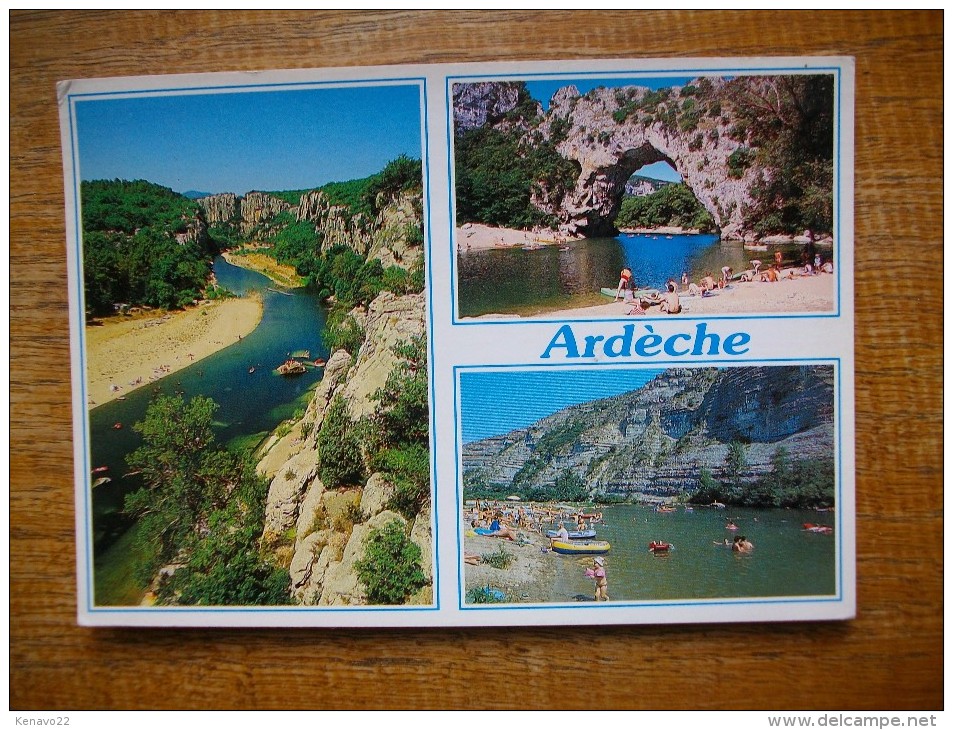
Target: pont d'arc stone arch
pixel 587 129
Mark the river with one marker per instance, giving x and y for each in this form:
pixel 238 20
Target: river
pixel 786 560
pixel 514 281
pixel 251 405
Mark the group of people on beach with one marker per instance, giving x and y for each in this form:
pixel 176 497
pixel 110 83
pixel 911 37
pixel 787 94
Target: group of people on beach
pixel 812 263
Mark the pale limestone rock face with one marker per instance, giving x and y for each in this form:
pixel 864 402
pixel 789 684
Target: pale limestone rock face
pixel 305 557
pixel 310 506
pixel 312 563
pixel 341 586
pixel 391 320
pixel 384 237
pixel 608 152
pixel 661 436
pixel 324 559
pixel 286 490
pixel 482 103
pixel 257 207
pixel 222 208
pixel 377 492
pixel 420 535
pixel 335 223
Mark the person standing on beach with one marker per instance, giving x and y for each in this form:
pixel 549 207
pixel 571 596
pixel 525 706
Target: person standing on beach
pixel 598 573
pixel 726 272
pixel 625 283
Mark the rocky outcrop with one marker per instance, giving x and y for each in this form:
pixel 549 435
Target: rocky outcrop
pixel 482 103
pixel 386 237
pixel 330 525
pixel 257 208
pixel 611 133
pixel 195 231
pixel 248 212
pixel 660 437
pixel 221 208
pixel 335 223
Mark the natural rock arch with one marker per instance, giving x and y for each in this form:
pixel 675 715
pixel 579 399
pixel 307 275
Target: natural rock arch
pixel 609 151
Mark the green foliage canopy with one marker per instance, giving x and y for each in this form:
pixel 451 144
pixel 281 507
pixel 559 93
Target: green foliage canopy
pixel 130 251
pixel 672 205
pixel 201 507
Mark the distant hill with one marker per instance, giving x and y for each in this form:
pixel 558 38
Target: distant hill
pixel 195 194
pixel 642 185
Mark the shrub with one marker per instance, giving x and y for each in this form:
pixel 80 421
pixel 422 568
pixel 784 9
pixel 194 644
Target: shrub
pixel 390 569
pixel 343 333
pixel 500 559
pixel 339 453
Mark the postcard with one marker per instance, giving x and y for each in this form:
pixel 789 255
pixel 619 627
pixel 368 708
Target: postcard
pixel 467 344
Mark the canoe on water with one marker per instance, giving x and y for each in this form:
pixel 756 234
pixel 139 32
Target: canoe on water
pixel 640 293
pixel 586 547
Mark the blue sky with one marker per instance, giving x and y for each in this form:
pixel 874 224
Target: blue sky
pixel 494 403
pixel 260 140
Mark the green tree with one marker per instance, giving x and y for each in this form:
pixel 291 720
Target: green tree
pixel 397 433
pixel 735 462
pixel 131 250
pixel 201 507
pixel 390 569
pixel 569 487
pixel 339 452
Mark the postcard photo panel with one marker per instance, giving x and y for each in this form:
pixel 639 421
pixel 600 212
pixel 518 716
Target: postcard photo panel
pixel 254 373
pixel 645 487
pixel 691 194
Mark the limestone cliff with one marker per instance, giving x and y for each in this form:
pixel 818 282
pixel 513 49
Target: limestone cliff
pixel 385 236
pixel 246 213
pixel 221 208
pixel 658 439
pixel 483 103
pixel 328 526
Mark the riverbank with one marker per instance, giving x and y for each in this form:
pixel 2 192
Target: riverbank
pixel 249 258
pixel 479 237
pixel 787 296
pixel 125 353
pixel 531 577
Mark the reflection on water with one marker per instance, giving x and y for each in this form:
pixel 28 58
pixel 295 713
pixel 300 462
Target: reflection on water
pixel 525 282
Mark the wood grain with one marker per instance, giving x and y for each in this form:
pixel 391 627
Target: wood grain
pixel 889 657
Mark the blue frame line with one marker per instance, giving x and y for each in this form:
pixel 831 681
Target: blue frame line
pixel 91 608
pixel 800 71
pixel 838 597
pixel 397 81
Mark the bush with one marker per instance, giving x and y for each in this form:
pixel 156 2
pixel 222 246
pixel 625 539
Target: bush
pixel 343 333
pixel 339 454
pixel 390 569
pixel 500 559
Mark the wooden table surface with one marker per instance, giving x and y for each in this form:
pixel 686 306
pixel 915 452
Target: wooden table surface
pixel 890 657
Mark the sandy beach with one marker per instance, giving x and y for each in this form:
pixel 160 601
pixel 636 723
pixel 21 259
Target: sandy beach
pixel 534 576
pixel 801 294
pixel 282 275
pixel 125 353
pixel 478 237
